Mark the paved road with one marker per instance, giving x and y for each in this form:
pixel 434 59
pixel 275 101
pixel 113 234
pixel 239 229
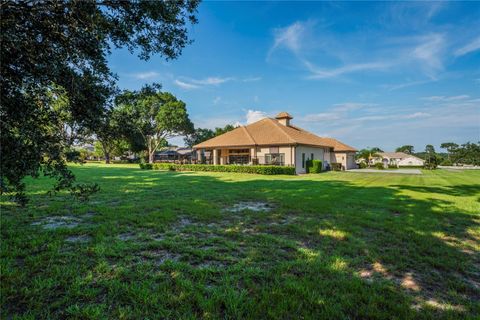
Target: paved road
pixel 400 171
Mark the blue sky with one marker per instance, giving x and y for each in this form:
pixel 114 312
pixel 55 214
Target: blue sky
pixel 369 74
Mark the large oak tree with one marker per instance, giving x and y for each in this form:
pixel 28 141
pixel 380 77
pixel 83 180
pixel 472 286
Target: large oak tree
pixel 64 44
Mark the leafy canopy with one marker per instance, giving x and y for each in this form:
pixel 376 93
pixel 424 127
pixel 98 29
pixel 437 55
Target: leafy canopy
pixel 64 44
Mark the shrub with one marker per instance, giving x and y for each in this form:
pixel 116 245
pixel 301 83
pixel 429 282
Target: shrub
pixel 308 166
pixel 145 166
pixel 392 166
pixel 316 166
pixel 362 165
pixel 379 165
pixel 446 162
pixel 336 166
pixel 267 170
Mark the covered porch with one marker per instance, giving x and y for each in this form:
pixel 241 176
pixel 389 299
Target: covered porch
pixel 242 156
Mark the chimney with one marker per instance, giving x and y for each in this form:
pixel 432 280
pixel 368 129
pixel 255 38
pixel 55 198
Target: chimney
pixel 284 118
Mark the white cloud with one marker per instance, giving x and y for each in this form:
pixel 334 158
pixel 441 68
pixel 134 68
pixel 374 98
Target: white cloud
pixel 417 115
pixel 429 53
pixel 185 85
pixel 254 115
pixel 447 98
pixel 189 83
pixel 289 37
pixel 146 75
pixel 252 79
pixel 474 45
pixel 350 68
pixel 323 116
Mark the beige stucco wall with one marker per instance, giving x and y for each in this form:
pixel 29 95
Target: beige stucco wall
pixel 318 154
pixel 286 150
pixel 411 161
pixel 347 159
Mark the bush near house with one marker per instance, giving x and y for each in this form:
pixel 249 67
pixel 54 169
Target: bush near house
pixel 362 165
pixel 314 166
pixel 267 170
pixel 379 165
pixel 336 166
pixel 392 166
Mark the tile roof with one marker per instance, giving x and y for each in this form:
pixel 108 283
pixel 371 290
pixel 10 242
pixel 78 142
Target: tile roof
pixel 283 115
pixel 269 131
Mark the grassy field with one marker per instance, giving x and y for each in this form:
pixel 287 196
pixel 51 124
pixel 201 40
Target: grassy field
pixel 173 245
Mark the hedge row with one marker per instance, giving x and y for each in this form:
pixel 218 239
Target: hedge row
pixel 269 170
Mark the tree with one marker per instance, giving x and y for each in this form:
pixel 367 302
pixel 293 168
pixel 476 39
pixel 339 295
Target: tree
pixel 368 154
pixel 450 147
pixel 467 153
pixel 431 160
pixel 155 115
pixel 406 149
pixel 200 135
pixel 64 44
pixel 109 133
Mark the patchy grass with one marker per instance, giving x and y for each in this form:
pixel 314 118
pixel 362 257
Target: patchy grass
pixel 224 245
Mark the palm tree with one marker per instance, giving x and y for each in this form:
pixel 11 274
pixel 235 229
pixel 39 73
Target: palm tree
pixel 368 154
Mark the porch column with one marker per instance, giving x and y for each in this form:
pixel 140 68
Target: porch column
pixel 199 156
pixel 222 156
pixel 215 156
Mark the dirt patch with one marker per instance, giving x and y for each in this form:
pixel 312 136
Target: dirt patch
pixel 257 206
pixel 127 236
pixel 409 283
pixel 212 265
pixel 53 223
pixel 160 256
pixel 89 215
pixel 78 239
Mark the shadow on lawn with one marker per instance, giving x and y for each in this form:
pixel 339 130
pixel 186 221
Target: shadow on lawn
pixel 355 251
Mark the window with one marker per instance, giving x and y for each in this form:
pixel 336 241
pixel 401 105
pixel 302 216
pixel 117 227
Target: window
pixel 303 160
pixel 311 156
pixel 277 159
pixel 238 159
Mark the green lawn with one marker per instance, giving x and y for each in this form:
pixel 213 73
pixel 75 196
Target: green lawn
pixel 336 245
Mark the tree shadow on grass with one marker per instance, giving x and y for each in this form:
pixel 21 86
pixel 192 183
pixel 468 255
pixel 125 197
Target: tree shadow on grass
pixel 349 251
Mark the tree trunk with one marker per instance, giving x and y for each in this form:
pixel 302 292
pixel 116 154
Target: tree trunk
pixel 150 151
pixel 106 153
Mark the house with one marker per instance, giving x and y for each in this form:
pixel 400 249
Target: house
pixel 174 154
pixel 398 159
pixel 274 142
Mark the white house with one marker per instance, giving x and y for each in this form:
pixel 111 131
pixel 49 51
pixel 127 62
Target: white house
pixel 399 159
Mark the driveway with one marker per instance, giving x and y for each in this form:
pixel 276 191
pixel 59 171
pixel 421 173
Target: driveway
pixel 401 171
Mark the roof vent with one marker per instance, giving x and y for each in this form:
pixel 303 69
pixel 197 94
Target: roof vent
pixel 284 118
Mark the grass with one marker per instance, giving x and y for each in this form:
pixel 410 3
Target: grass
pixel 336 245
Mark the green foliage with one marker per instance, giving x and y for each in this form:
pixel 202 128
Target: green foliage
pixel 431 158
pixel 392 166
pixel 368 154
pixel 362 165
pixel 154 115
pixel 55 80
pixel 406 149
pixel 446 162
pixel 379 165
pixel 267 170
pixel 308 165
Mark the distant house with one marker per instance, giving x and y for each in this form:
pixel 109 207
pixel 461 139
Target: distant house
pixel 399 159
pixel 274 142
pixel 174 154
